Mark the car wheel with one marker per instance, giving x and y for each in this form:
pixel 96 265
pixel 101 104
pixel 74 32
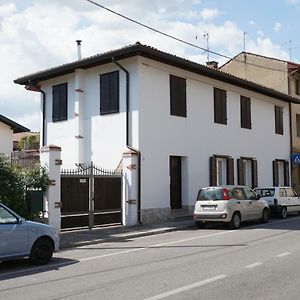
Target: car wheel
pixel 265 216
pixel 200 224
pixel 283 212
pixel 41 252
pixel 235 221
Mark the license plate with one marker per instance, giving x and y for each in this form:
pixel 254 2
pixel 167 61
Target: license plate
pixel 209 207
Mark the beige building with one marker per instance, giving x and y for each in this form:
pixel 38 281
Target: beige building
pixel 280 75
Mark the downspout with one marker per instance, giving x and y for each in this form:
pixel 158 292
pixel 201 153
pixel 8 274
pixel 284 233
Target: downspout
pixel 128 139
pixel 36 88
pixel 291 128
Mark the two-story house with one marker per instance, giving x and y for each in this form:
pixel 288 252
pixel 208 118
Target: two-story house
pixel 280 75
pixel 192 125
pixel 7 129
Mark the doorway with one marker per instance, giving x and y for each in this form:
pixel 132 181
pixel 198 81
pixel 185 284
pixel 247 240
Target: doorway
pixel 175 182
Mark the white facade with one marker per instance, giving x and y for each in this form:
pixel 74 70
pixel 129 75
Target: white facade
pixel 159 135
pixel 6 139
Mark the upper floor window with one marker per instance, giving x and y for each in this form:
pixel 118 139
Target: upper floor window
pixel 297 88
pixel 245 112
pixel 177 96
pixel 278 120
pixel 298 124
pixel 220 106
pixel 109 93
pixel 59 102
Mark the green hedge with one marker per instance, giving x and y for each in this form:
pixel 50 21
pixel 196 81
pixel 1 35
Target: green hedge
pixel 15 184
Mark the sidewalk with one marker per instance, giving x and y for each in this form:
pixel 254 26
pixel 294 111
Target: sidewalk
pixel 97 235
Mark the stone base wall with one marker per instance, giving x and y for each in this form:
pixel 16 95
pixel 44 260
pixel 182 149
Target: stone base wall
pixel 155 215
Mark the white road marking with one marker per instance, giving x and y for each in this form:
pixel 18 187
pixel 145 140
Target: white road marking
pixel 256 264
pixel 187 287
pixel 283 254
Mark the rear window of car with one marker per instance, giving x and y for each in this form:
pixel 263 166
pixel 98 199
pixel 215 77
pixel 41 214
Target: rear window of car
pixel 210 194
pixel 265 192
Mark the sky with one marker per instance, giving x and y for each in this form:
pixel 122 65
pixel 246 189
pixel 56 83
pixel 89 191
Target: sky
pixel 39 34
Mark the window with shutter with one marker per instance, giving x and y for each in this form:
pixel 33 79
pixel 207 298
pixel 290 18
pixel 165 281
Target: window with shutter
pixel 278 120
pixel 109 93
pixel 59 102
pixel 245 104
pixel 220 106
pixel 298 124
pixel 177 96
pixel 297 88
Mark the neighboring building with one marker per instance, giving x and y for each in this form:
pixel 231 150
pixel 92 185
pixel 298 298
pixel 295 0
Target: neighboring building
pixel 7 130
pixel 280 75
pixel 192 125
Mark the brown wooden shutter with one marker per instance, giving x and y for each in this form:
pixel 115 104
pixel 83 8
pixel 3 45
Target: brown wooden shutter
pixel 245 104
pixel 275 173
pixel 254 173
pixel 286 173
pixel 240 165
pixel 213 171
pixel 177 96
pixel 230 170
pixel 220 106
pixel 278 120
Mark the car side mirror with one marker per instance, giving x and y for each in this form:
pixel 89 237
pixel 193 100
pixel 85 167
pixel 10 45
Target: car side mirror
pixel 19 221
pixel 258 196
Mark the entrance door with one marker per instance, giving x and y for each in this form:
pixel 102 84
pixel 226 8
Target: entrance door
pixel 175 182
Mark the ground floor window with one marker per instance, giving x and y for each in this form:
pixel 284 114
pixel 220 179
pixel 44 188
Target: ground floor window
pixel 247 171
pixel 281 172
pixel 221 170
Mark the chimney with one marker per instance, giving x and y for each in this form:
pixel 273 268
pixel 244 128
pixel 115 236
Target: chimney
pixel 212 64
pixel 78 49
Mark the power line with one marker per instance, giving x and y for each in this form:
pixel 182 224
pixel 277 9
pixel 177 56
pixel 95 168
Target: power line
pixel 180 40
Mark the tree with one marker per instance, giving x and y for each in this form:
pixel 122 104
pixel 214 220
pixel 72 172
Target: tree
pixel 16 182
pixel 30 142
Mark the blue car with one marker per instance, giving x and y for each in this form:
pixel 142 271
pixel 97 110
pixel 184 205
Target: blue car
pixel 21 238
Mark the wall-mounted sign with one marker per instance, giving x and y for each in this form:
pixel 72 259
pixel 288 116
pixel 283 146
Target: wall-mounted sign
pixel 295 158
pixel 82 180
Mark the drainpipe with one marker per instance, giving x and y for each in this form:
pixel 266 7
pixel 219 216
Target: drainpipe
pixel 128 140
pixel 36 88
pixel 291 140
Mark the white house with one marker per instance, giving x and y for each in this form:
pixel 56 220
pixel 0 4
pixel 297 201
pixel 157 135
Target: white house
pixel 7 129
pixel 191 125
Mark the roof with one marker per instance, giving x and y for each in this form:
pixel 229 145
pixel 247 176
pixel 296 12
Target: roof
pixel 13 125
pixel 290 64
pixel 157 55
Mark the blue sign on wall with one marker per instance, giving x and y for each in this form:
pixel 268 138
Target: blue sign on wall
pixel 295 158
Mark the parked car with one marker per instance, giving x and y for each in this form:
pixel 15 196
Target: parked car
pixel 281 200
pixel 229 204
pixel 21 238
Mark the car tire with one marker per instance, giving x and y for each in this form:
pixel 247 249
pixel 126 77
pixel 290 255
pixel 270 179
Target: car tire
pixel 200 225
pixel 283 212
pixel 265 216
pixel 235 221
pixel 41 252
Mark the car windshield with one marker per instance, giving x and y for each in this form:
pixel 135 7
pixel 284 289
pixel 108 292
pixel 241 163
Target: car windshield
pixel 265 192
pixel 210 194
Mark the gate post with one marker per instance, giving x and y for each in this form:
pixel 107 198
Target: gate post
pixel 51 159
pixel 130 189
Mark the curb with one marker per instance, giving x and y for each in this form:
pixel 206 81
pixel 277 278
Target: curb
pixel 69 245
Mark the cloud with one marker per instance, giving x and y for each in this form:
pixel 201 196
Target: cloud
pixel 7 9
pixel 277 26
pixel 292 1
pixel 208 14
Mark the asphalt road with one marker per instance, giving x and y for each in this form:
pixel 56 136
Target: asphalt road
pixel 258 261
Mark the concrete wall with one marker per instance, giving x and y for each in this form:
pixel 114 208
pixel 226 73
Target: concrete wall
pixel 272 74
pixel 6 139
pixel 197 137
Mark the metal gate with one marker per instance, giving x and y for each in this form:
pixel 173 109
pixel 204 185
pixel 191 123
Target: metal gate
pixel 90 196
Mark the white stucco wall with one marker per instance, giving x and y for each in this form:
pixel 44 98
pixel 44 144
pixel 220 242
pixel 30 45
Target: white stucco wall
pixel 197 137
pixel 6 139
pixel 104 135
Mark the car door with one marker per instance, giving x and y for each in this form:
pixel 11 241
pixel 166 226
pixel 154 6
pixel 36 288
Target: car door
pixel 238 202
pixel 293 200
pixel 13 236
pixel 254 207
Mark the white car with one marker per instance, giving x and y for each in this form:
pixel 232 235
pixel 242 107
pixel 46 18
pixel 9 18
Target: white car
pixel 281 200
pixel 21 238
pixel 229 204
